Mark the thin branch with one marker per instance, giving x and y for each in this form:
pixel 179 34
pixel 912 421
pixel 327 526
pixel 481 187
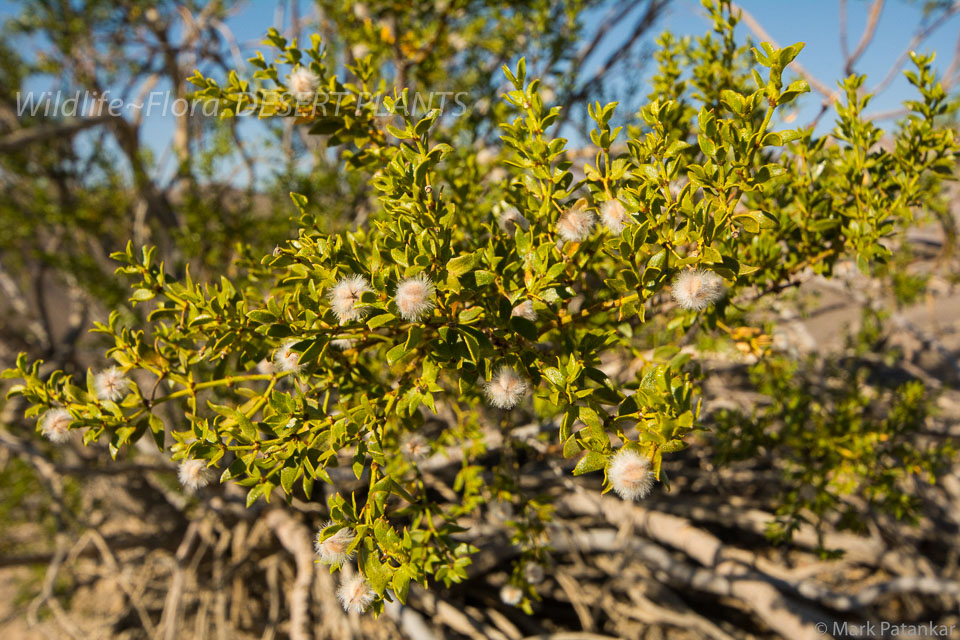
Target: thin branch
pixel 29 135
pixel 643 25
pixel 868 32
pixel 920 36
pixel 171 607
pixel 295 538
pixel 950 75
pixel 842 20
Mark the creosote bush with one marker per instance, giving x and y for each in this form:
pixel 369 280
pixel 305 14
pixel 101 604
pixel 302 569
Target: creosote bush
pixel 496 301
pixel 836 431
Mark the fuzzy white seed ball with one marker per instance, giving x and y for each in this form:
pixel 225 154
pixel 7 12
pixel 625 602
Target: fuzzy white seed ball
pixel 614 216
pixel 345 296
pixel 533 573
pixel 286 359
pixel 343 343
pixel 55 425
pixel 194 474
pixel 110 384
pixel 697 289
pixel 575 224
pixel 511 594
pixel 415 297
pixel 630 475
pixel 303 84
pixel 415 448
pixel 355 594
pixel 511 220
pixel 506 388
pixel 333 550
pixel 525 310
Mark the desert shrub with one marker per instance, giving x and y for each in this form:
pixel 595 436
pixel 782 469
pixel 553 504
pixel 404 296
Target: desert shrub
pixel 495 300
pixel 846 434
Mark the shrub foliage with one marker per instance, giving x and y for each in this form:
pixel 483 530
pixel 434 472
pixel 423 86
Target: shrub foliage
pixel 538 271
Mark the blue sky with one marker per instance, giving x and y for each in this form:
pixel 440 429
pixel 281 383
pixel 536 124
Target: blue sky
pixel 812 21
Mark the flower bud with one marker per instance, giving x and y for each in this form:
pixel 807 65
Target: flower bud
pixel 286 359
pixel 511 594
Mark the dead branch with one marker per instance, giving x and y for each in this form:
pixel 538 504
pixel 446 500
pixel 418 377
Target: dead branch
pixel 295 538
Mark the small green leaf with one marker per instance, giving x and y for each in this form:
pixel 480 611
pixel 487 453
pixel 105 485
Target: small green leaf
pixel 591 461
pixel 707 145
pixel 380 320
pixel 142 295
pixel 460 265
pixel 373 570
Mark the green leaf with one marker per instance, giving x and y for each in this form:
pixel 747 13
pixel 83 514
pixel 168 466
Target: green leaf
pixel 707 145
pixel 262 316
pixel 401 582
pixel 554 376
pixel 524 327
pixel 470 314
pixel 373 570
pixel 287 476
pixel 591 461
pixel 394 354
pixel 749 223
pixel 460 265
pixel 591 418
pixel 791 92
pixel 156 428
pixel 402 134
pixel 380 320
pixel 246 427
pixel 711 255
pixel 326 125
pixel 142 295
pixel 483 278
pixel 255 492
pixel 769 171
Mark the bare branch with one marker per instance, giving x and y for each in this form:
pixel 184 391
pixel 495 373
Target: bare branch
pixel 868 32
pixel 641 27
pixel 918 38
pixel 789 617
pixel 842 24
pixel 171 607
pixel 29 135
pixel 296 539
pixel 950 75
